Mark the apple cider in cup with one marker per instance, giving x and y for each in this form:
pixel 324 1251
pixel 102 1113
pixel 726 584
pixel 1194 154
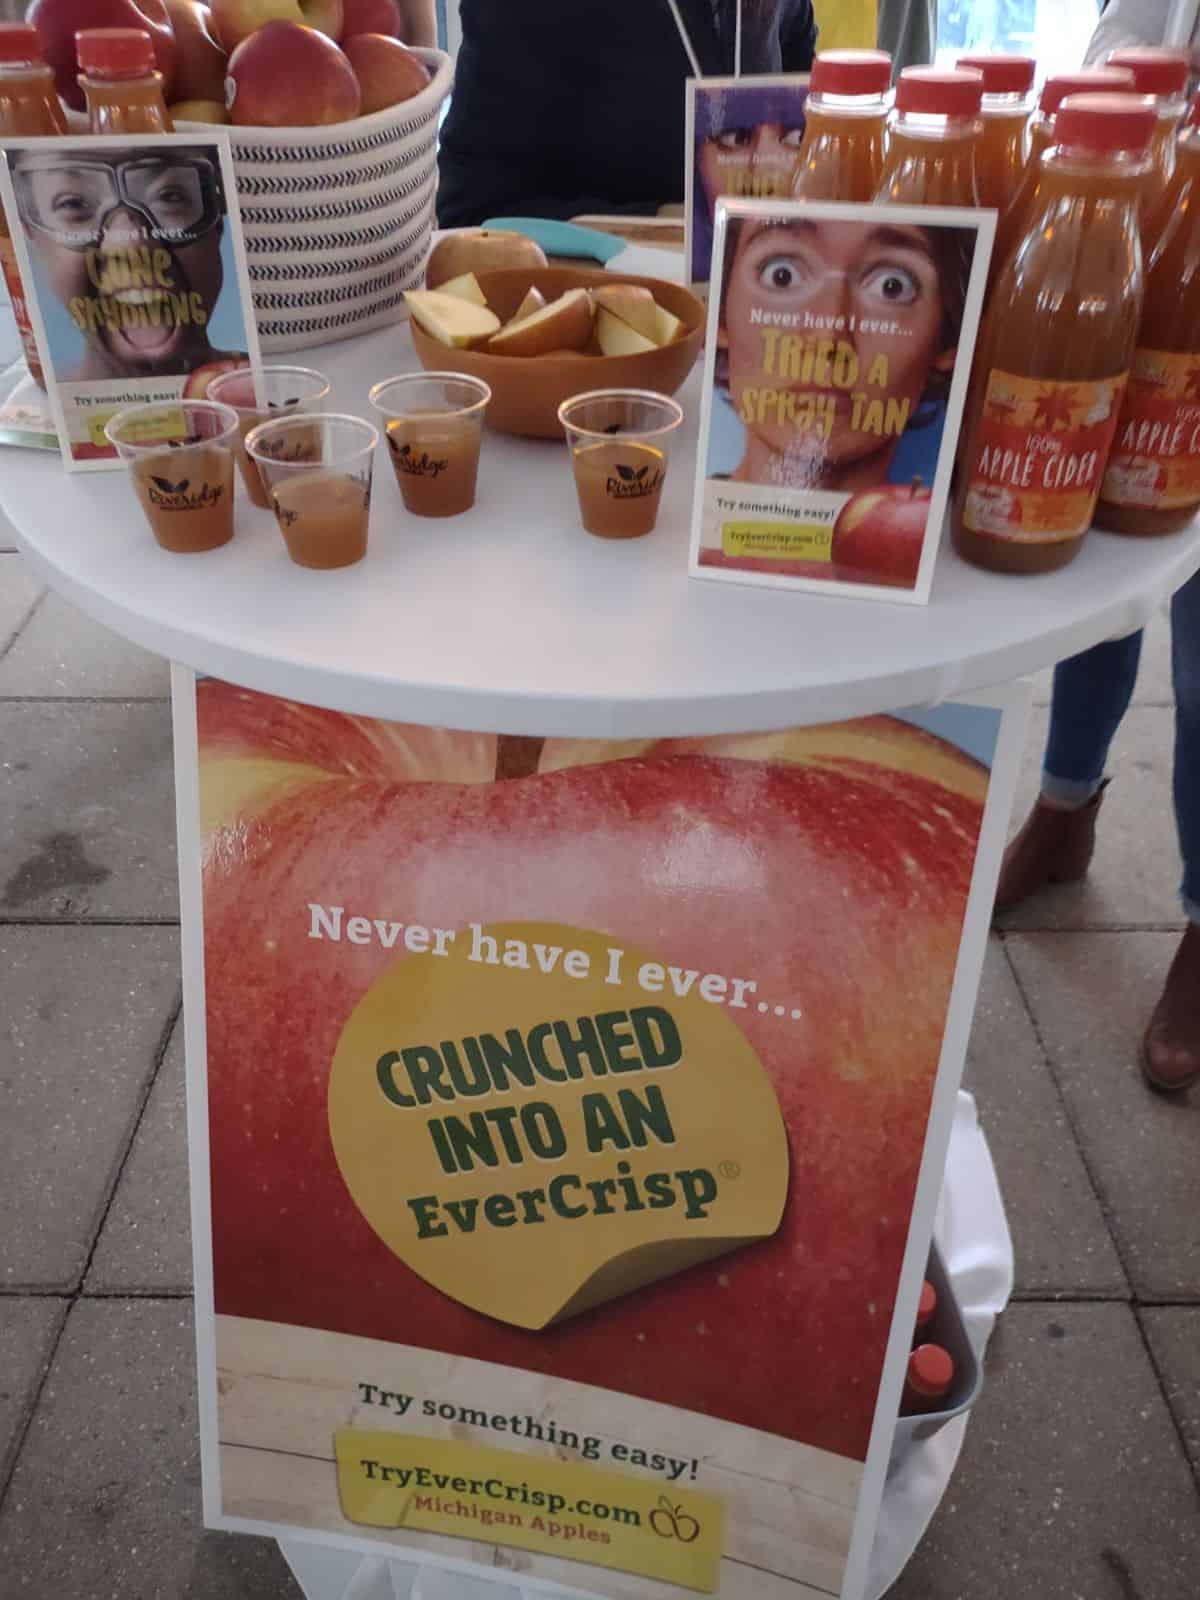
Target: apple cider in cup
pixel 433 425
pixel 180 460
pixel 278 391
pixel 619 487
pixel 323 517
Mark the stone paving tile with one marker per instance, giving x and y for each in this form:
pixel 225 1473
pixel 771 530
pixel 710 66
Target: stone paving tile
pixel 1072 1484
pixel 1060 1240
pixel 19 593
pixel 88 811
pixel 146 1241
pixel 82 1011
pixel 27 1332
pixel 105 1498
pixel 1154 674
pixel 1134 879
pixel 1090 995
pixel 1173 1333
pixel 61 651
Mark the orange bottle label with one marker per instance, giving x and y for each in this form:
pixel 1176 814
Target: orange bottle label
pixel 1155 459
pixel 1038 457
pixel 16 296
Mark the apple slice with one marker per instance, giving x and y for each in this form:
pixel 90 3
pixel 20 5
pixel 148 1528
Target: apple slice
pixel 449 318
pixel 565 324
pixel 668 325
pixel 534 301
pixel 634 305
pixel 465 287
pixel 617 338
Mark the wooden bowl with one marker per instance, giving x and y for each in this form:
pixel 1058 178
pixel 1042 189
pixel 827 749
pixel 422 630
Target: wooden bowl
pixel 528 390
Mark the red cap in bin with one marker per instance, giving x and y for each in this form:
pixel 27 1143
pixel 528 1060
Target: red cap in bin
pixel 851 72
pixel 1002 74
pixel 930 1371
pixel 115 52
pixel 20 43
pixel 1091 80
pixel 939 92
pixel 1106 123
pixel 1156 70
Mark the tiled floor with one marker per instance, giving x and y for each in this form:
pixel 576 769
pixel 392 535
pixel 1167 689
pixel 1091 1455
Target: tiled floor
pixel 1079 1476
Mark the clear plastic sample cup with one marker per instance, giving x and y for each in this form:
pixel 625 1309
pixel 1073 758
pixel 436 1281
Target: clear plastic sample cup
pixel 180 459
pixel 282 391
pixel 619 441
pixel 433 422
pixel 316 468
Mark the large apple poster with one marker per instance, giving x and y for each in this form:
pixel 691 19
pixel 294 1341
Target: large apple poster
pixel 131 253
pixel 564 1105
pixel 838 353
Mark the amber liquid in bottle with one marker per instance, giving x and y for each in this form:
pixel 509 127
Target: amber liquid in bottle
pixel 1152 484
pixel 1050 367
pixel 29 108
pixel 841 157
pixel 1000 159
pixel 930 162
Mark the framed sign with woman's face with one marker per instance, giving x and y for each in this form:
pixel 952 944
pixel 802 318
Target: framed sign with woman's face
pixel 839 347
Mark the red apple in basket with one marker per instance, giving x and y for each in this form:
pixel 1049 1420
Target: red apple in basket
pixel 200 63
pixel 58 21
pixel 235 20
pixel 287 76
pixel 830 865
pixel 371 16
pixel 387 71
pixel 878 535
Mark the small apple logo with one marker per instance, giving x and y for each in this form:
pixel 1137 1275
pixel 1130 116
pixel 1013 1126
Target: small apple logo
pixel 673 1522
pixel 879 534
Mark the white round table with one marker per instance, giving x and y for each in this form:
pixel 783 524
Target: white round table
pixel 511 619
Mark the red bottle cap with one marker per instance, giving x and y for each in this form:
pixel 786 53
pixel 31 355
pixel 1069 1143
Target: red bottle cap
pixel 115 52
pixel 1155 69
pixel 940 93
pixel 1092 80
pixel 1106 123
pixel 1002 74
pixel 20 45
pixel 927 1304
pixel 930 1371
pixel 851 72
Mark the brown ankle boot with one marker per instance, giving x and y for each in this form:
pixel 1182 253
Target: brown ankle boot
pixel 1053 846
pixel 1171 1048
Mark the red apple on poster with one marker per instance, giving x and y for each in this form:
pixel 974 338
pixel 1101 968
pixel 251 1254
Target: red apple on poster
pixel 371 16
pixel 288 76
pixel 387 71
pixel 235 20
pixel 196 387
pixel 200 60
pixel 58 21
pixel 872 829
pixel 879 533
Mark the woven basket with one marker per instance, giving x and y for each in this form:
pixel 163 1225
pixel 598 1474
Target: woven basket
pixel 337 219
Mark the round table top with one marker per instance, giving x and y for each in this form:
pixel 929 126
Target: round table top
pixel 512 619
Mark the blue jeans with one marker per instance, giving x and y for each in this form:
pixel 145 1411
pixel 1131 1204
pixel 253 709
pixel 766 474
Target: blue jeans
pixel 1092 692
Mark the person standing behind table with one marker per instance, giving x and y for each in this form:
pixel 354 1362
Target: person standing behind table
pixel 1091 694
pixel 566 107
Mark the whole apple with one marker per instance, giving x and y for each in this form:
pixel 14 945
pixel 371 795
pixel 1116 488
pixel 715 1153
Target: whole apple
pixel 831 864
pixel 289 76
pixel 879 534
pixel 58 21
pixel 196 387
pixel 387 71
pixel 200 60
pixel 480 250
pixel 371 16
pixel 235 20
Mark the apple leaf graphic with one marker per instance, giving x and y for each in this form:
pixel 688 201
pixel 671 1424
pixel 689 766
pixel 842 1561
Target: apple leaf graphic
pixel 164 484
pixel 1053 407
pixel 641 473
pixel 613 427
pixel 627 474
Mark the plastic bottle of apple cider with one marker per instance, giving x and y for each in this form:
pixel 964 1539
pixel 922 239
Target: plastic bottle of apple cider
pixel 1056 346
pixel 1157 217
pixel 120 81
pixel 841 156
pixel 932 136
pixel 1014 223
pixel 29 108
pixel 1152 482
pixel 1164 74
pixel 1005 111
